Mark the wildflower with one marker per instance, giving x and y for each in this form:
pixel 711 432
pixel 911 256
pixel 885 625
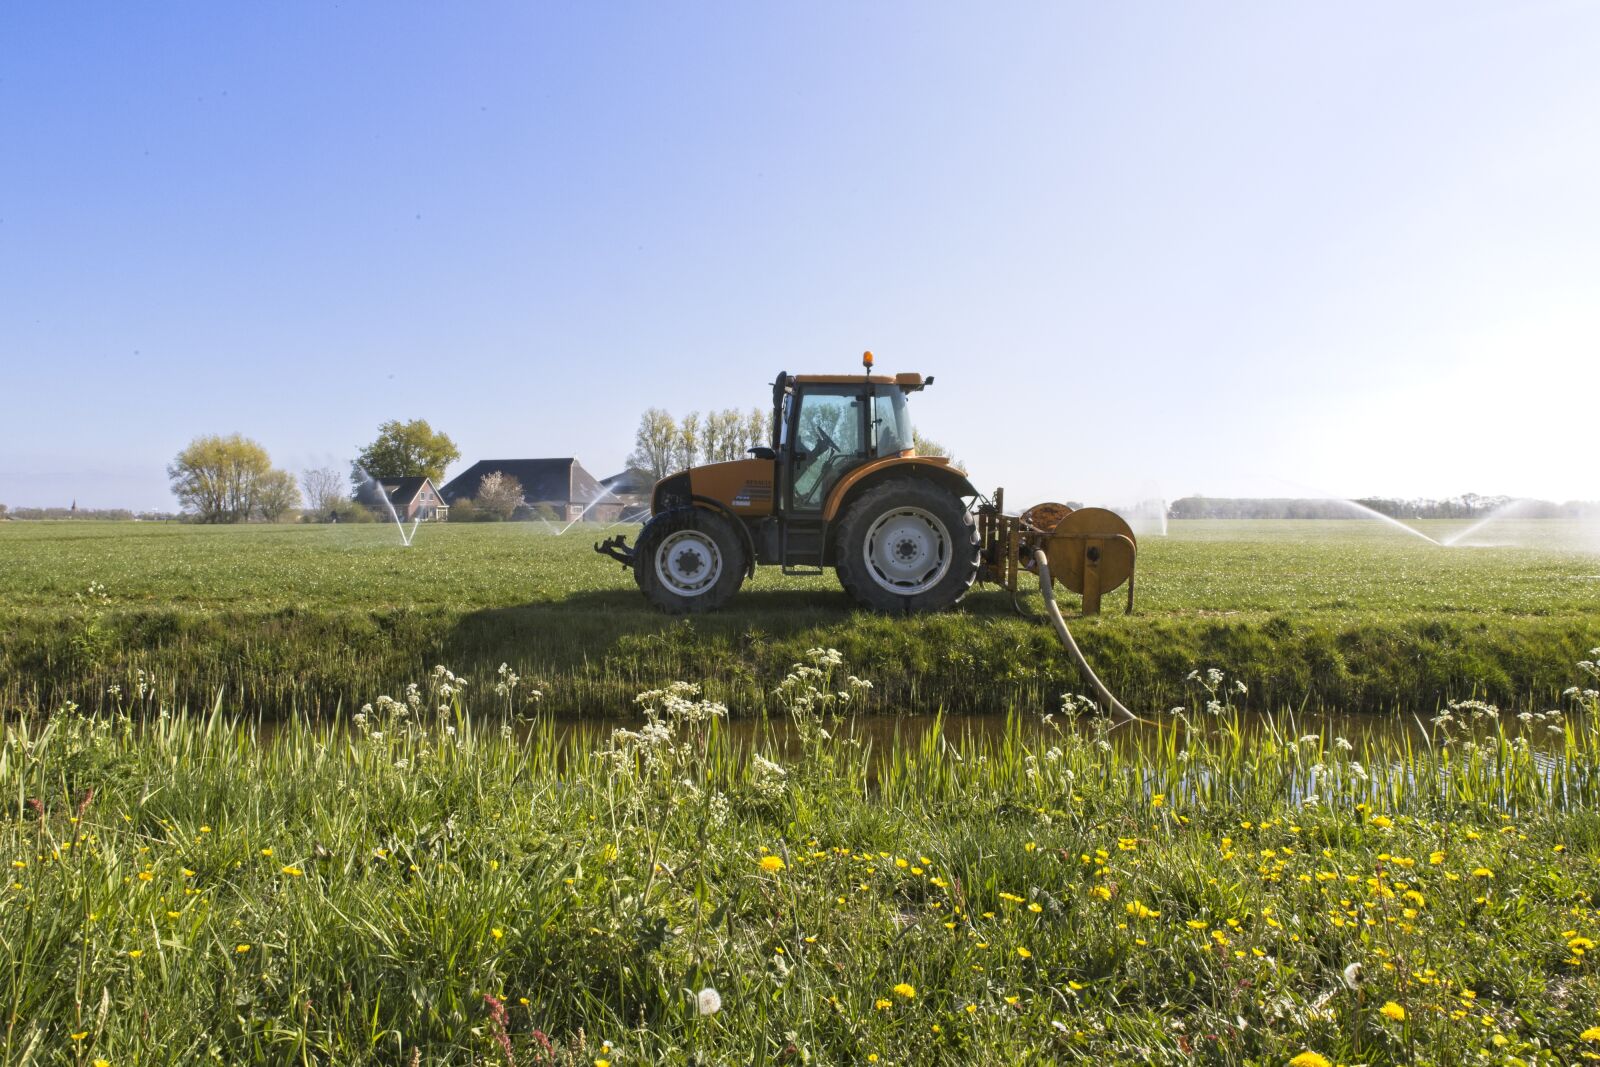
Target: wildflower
pixel 293 872
pixel 1391 1010
pixel 102 1063
pixel 1591 1034
pixel 1436 858
pixel 1101 892
pixel 1482 872
pixel 497 933
pixel 771 864
pixel 1383 822
pixel 905 989
pixel 882 1003
pixel 708 1001
pixel 79 1036
pixel 1158 799
pixel 135 953
pixel 145 876
pixel 1353 976
pixel 1024 953
pixel 241 948
pixel 1035 907
pixel 1310 1059
pixel 1138 910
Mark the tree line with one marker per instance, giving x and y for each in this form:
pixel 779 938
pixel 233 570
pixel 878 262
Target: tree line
pixel 663 444
pixel 228 479
pixel 1466 506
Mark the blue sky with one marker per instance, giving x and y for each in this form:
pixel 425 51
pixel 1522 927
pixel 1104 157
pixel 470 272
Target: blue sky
pixel 1146 249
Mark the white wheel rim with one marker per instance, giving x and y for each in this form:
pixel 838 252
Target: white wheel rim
pixel 907 551
pixel 688 563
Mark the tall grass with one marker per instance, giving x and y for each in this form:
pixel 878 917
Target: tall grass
pixel 431 879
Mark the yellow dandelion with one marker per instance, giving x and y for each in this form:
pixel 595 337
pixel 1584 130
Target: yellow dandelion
pixel 1035 907
pixel 882 1003
pixel 1310 1059
pixel 1591 1034
pixel 241 948
pixel 145 876
pixel 905 989
pixel 1024 953
pixel 1158 799
pixel 1482 872
pixel 135 953
pixel 1391 1010
pixel 497 933
pixel 1381 821
pixel 293 872
pixel 79 1036
pixel 771 864
pixel 266 852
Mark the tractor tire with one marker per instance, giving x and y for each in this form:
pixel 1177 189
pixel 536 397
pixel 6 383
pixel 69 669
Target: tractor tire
pixel 907 545
pixel 688 561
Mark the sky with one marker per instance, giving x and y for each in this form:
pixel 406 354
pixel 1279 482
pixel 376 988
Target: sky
pixel 1146 249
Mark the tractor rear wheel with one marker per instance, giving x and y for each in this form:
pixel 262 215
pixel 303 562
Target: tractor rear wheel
pixel 688 561
pixel 907 545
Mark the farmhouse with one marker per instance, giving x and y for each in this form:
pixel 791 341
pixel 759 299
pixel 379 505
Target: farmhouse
pixel 630 490
pixel 558 489
pixel 412 498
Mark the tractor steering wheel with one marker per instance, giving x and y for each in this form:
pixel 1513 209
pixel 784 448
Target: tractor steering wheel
pixel 833 446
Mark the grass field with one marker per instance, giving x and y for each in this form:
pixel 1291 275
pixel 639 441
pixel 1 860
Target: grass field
pixel 413 885
pixel 1334 614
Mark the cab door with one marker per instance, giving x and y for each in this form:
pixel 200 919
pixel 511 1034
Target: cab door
pixel 828 436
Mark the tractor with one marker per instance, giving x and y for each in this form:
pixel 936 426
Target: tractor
pixel 840 485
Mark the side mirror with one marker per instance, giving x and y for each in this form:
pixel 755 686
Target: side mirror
pixel 762 452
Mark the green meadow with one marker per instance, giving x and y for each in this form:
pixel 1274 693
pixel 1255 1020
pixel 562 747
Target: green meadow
pixel 1347 615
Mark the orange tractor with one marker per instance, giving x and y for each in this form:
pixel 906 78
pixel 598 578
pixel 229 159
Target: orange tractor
pixel 841 486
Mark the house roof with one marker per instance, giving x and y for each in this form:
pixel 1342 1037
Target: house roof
pixel 400 491
pixel 631 482
pixel 556 481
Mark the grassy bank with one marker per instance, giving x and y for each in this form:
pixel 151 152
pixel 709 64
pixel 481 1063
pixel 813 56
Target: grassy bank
pixel 417 885
pixel 1346 615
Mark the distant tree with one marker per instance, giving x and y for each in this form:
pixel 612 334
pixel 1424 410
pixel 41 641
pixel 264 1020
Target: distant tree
pixel 655 443
pixel 688 441
pixel 722 437
pixel 2 511
pixel 499 495
pixel 325 491
pixel 276 496
pixel 405 450
pixel 228 479
pixel 757 429
pixel 927 446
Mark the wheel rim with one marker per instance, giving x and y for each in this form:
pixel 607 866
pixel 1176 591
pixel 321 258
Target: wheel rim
pixel 907 551
pixel 688 563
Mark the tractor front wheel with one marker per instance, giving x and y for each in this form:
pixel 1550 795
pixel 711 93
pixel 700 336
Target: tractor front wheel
pixel 907 545
pixel 689 560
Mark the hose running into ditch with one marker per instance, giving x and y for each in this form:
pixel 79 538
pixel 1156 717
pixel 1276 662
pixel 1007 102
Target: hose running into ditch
pixel 1047 588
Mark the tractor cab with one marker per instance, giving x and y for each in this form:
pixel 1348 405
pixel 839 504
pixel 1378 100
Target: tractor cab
pixel 825 426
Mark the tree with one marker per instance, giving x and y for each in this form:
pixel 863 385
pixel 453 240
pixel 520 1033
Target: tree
pixel 722 436
pixel 927 446
pixel 655 443
pixel 229 479
pixel 324 489
pixel 689 440
pixel 499 495
pixel 405 450
pixel 276 496
pixel 757 429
